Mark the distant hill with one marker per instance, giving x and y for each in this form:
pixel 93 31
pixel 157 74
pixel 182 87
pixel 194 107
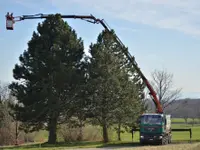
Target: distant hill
pixel 181 108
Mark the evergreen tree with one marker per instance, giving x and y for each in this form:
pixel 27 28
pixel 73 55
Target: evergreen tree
pixel 48 76
pixel 132 88
pixel 126 115
pixel 103 84
pixel 116 88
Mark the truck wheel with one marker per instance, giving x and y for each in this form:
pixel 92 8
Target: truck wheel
pixel 170 140
pixel 167 140
pixel 164 141
pixel 161 142
pixel 142 143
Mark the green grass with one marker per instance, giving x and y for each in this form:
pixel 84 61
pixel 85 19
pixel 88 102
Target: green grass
pixel 182 120
pixel 185 135
pixel 177 137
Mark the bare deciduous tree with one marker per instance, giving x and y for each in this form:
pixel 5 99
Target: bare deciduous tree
pixel 186 119
pixel 198 115
pixel 162 81
pixel 4 92
pixel 5 118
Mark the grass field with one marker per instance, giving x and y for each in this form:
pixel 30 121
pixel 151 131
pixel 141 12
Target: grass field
pixel 177 137
pixel 183 120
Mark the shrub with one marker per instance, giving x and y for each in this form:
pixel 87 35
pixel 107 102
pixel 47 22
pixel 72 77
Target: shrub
pixel 92 133
pixel 89 132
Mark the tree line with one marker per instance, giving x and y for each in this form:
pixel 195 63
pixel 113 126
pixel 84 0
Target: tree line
pixel 56 82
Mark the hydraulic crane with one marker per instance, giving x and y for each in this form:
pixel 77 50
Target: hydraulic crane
pixel 153 127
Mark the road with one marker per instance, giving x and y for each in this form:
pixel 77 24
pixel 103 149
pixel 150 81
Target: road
pixel 188 146
pixel 106 148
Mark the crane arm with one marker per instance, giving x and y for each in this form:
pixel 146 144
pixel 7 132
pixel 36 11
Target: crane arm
pixel 94 20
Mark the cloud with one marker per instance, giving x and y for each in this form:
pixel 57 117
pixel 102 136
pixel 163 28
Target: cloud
pixel 124 29
pixel 31 4
pixel 179 15
pixel 28 3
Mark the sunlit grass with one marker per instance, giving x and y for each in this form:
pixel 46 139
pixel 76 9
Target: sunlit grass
pixel 126 140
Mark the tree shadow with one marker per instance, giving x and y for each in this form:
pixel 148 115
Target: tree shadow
pixel 83 144
pixel 88 144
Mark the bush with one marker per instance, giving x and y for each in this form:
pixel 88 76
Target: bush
pixel 89 133
pixel 92 133
pixel 68 134
pixel 6 136
pixel 29 137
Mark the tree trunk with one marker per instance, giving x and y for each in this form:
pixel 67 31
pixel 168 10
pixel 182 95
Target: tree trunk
pixel 119 131
pixel 193 122
pixel 80 136
pixel 52 129
pixel 105 133
pixel 16 132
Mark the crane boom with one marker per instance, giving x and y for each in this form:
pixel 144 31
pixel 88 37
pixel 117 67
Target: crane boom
pixel 90 18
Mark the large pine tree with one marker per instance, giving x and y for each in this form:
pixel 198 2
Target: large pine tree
pixel 116 89
pixel 48 75
pixel 131 95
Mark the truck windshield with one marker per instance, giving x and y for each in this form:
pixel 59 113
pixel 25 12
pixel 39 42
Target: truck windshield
pixel 151 119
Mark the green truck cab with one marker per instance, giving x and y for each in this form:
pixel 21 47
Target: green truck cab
pixel 155 128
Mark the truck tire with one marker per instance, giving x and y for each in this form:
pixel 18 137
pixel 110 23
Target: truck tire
pixel 167 140
pixel 142 142
pixel 161 142
pixel 170 140
pixel 164 141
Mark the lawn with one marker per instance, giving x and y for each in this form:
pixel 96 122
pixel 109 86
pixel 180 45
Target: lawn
pixel 177 137
pixel 182 120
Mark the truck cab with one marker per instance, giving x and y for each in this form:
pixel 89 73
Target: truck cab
pixel 155 128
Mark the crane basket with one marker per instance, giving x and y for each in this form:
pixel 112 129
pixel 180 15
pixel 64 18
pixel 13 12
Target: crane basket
pixel 9 21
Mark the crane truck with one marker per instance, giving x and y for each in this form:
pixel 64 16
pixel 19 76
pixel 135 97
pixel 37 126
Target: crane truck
pixel 154 127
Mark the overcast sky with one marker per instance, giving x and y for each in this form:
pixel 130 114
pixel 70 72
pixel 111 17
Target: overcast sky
pixel 161 34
